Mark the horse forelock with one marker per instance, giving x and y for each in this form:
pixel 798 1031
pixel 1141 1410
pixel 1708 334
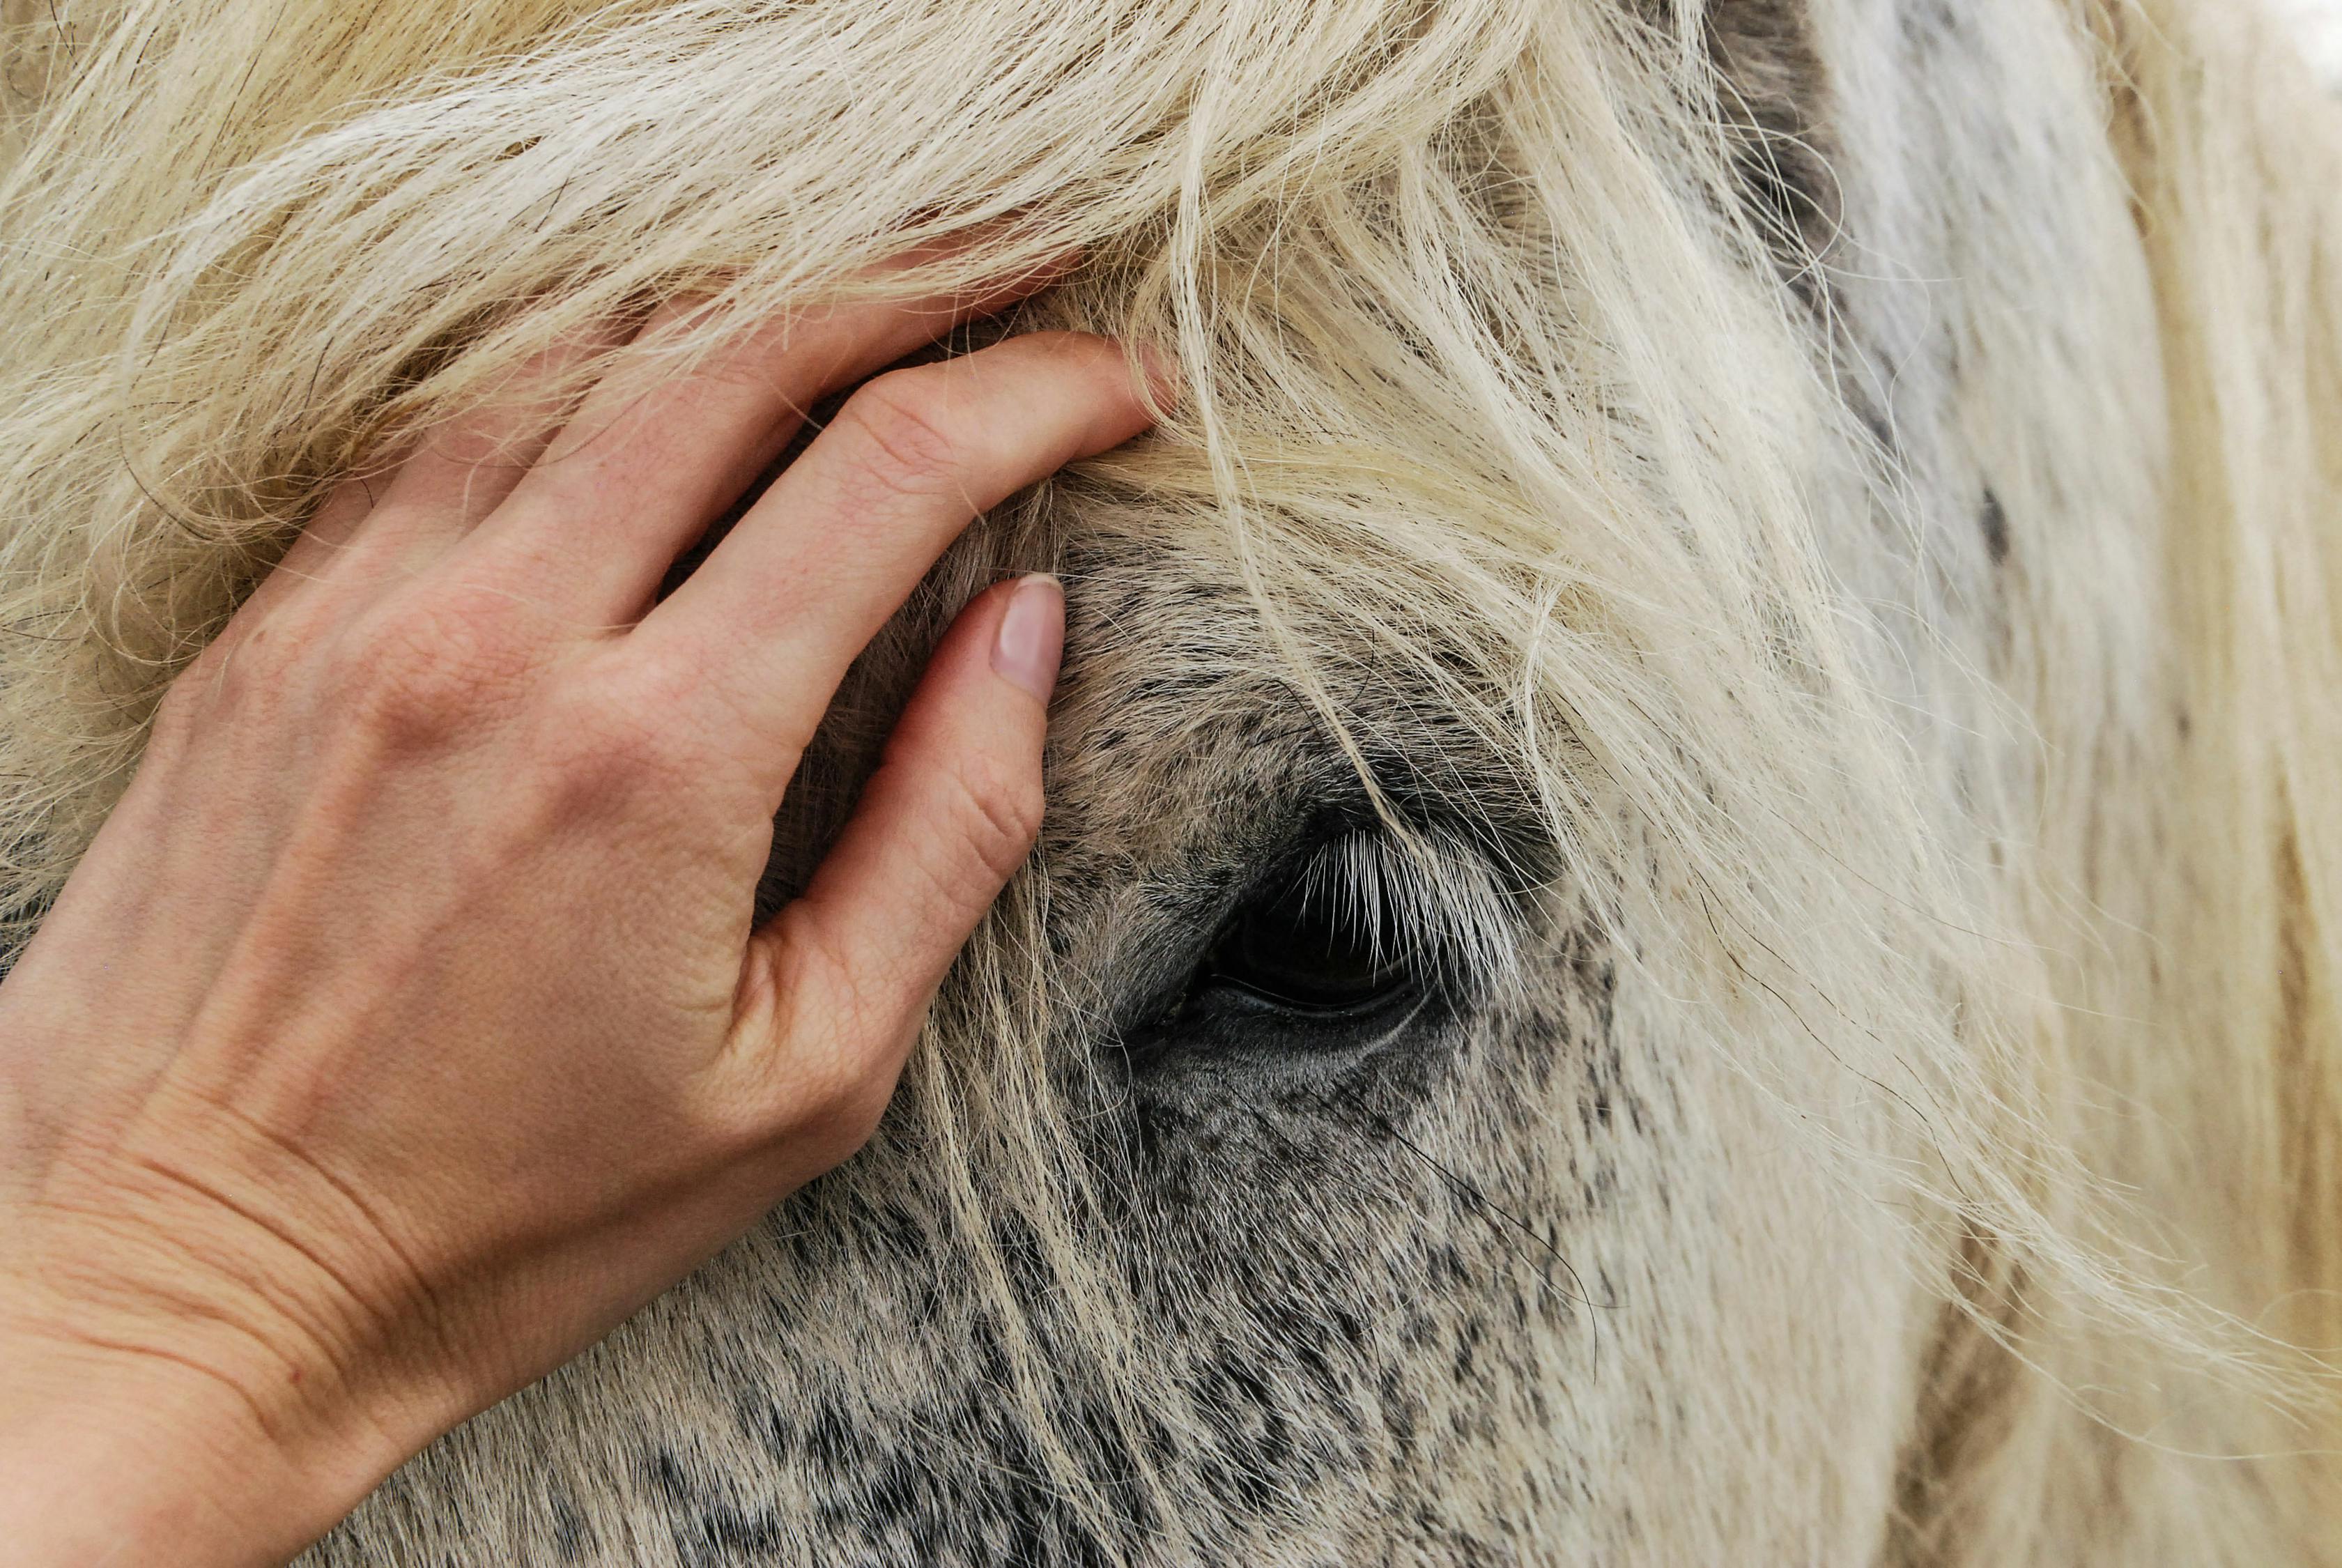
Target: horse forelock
pixel 1715 513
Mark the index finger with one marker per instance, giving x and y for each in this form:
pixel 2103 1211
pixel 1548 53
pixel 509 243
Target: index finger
pixel 775 614
pixel 648 459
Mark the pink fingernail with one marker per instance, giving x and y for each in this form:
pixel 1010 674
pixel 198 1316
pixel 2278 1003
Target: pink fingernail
pixel 1032 636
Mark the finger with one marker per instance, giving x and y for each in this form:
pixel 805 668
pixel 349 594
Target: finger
pixel 774 616
pixel 638 474
pixel 465 468
pixel 948 817
pixel 444 480
pixel 325 538
pixel 321 546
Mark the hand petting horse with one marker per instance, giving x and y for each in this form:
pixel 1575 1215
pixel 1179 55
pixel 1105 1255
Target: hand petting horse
pixel 1690 906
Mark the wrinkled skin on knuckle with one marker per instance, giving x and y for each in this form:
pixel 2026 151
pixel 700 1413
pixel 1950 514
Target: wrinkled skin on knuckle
pixel 431 666
pixel 998 816
pixel 597 748
pixel 903 435
pixel 648 728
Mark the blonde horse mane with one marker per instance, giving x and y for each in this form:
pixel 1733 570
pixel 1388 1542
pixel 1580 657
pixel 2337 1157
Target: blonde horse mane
pixel 1455 285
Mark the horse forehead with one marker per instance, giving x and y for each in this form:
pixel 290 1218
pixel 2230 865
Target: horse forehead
pixel 1183 722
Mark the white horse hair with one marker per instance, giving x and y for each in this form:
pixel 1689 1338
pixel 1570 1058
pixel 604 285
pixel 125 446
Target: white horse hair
pixel 1767 569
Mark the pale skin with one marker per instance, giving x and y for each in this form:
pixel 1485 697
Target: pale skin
pixel 407 1026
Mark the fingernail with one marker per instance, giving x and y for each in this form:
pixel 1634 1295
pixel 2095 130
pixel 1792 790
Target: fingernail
pixel 1032 636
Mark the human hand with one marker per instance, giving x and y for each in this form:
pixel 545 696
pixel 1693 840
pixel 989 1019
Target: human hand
pixel 405 1027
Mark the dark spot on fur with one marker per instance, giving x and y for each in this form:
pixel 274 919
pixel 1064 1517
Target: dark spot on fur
pixel 573 1538
pixel 665 1476
pixel 1773 106
pixel 1994 522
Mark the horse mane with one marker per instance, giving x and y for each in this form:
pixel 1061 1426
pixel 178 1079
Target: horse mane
pixel 1454 285
pixel 2232 154
pixel 2234 160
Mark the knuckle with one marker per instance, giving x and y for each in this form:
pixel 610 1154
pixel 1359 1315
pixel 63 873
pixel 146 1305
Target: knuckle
pixel 429 664
pixel 242 669
pixel 900 420
pixel 604 741
pixel 666 711
pixel 1001 815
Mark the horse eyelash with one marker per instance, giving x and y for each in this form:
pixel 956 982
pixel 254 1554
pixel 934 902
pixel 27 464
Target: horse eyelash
pixel 1456 928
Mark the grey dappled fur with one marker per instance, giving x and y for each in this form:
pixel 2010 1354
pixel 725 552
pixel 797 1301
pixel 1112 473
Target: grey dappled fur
pixel 1713 1200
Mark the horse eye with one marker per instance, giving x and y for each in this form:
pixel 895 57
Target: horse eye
pixel 1312 945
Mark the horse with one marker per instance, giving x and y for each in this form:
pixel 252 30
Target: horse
pixel 1688 910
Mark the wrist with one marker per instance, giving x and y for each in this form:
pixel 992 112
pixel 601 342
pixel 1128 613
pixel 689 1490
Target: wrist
pixel 121 1454
pixel 182 1379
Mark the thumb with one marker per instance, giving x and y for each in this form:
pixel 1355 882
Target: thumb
pixel 943 824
